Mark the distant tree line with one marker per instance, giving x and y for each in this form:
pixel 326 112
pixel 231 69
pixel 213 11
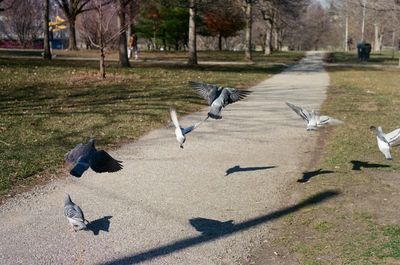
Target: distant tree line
pixel 162 24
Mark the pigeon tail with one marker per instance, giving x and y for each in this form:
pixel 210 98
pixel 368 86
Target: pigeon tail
pixel 67 199
pixel 214 116
pixel 77 171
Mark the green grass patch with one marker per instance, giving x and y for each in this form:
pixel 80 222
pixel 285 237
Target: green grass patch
pixel 385 57
pixel 361 226
pixel 48 107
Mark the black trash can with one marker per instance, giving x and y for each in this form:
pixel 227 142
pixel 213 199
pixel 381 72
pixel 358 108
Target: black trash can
pixel 363 51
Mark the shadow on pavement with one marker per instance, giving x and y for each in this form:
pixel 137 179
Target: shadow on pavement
pixel 309 174
pixel 213 230
pixel 357 165
pixel 237 168
pixel 101 224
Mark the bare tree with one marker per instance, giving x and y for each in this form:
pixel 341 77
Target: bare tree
pixel 46 47
pixel 123 26
pixel 71 9
pixel 107 32
pixel 248 8
pixel 23 21
pixel 192 59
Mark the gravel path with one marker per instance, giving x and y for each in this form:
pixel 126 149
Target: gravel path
pixel 209 203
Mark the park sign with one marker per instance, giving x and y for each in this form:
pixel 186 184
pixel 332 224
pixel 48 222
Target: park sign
pixel 58 24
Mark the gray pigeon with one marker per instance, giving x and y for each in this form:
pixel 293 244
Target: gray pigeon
pixel 74 214
pixel 179 131
pixel 218 97
pixel 313 120
pixel 84 156
pixel 385 141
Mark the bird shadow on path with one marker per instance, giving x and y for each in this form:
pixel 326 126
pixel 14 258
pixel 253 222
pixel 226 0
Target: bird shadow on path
pixel 357 165
pixel 210 227
pixel 101 224
pixel 237 168
pixel 309 174
pixel 213 230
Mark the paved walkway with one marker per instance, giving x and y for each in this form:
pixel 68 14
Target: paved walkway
pixel 209 203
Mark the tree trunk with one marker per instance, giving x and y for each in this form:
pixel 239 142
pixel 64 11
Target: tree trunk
pixel 123 45
pixel 102 64
pixel 72 34
pixel 346 34
pixel 267 47
pixel 192 59
pixel 275 34
pixel 131 17
pixel 46 44
pixel 220 42
pixel 164 40
pixel 249 22
pixel 377 42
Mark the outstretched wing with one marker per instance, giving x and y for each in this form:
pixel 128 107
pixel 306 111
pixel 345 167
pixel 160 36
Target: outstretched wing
pixel 174 117
pixel 101 162
pixel 393 137
pixel 236 94
pixel 207 91
pixel 304 114
pixel 190 128
pixel 328 120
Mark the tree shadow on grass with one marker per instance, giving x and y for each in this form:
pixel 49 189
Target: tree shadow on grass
pixel 309 174
pixel 357 165
pixel 213 230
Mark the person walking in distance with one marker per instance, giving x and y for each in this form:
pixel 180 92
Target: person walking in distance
pixel 132 46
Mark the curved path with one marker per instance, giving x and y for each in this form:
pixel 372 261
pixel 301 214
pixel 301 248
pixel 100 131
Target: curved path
pixel 209 203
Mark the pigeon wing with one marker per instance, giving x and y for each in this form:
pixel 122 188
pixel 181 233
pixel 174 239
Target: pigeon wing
pixel 73 155
pixel 328 120
pixel 393 137
pixel 102 162
pixel 73 211
pixel 81 166
pixel 207 91
pixel 236 94
pixel 190 128
pixel 304 114
pixel 174 118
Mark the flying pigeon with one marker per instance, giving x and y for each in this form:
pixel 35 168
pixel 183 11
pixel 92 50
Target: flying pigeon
pixel 385 141
pixel 313 120
pixel 74 214
pixel 218 97
pixel 84 156
pixel 179 131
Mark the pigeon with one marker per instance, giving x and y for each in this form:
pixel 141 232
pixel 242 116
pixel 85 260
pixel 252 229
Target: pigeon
pixel 84 156
pixel 385 141
pixel 74 214
pixel 313 120
pixel 179 131
pixel 218 97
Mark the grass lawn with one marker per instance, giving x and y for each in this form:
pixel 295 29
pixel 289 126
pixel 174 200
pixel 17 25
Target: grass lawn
pixel 223 56
pixel 362 224
pixel 48 107
pixel 386 57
